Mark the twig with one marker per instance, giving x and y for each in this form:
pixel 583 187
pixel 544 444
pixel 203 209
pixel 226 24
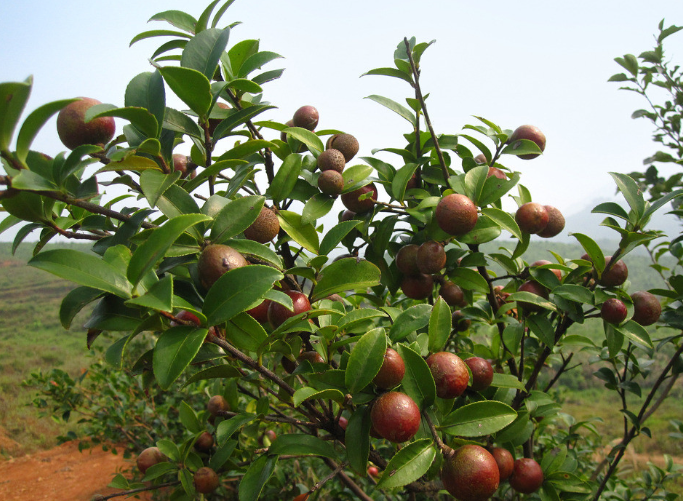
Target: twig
pixel 347 481
pixel 329 477
pixel 139 489
pixel 439 443
pixel 563 368
pixel 276 419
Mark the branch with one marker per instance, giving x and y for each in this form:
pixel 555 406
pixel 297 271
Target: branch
pixel 139 489
pixel 562 369
pixel 347 481
pixel 276 419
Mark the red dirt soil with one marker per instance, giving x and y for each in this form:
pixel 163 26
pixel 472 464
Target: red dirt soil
pixel 61 474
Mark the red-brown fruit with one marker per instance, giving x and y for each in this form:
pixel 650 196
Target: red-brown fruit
pixel 204 442
pixel 482 373
pixel 260 312
pixel 347 215
pixel 527 476
pixel 417 287
pixel 541 262
pixel 406 260
pixel 646 308
pixel 213 122
pixel 471 474
pixel 187 316
pixel 392 371
pixel 616 275
pixel 331 182
pixel 331 160
pixel 431 257
pixel 351 199
pixel 450 374
pixel 555 223
pixel 456 214
pixel 481 159
pixel 532 218
pixel 215 260
pixel 277 313
pixel 74 131
pixel 149 457
pixel 452 294
pixel 373 471
pixel 535 288
pixel 301 497
pixel 265 228
pixel 613 311
pixel 343 422
pixel 459 322
pixel 395 416
pixel 283 136
pixel 532 133
pixel 496 172
pixel 345 143
pixel 183 164
pixel 216 404
pixel 306 117
pixel 505 461
pixel 312 356
pixel 412 182
pixel 206 480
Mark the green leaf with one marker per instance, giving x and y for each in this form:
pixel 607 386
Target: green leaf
pixel 629 188
pixel 155 183
pixel 495 188
pixel 256 61
pixel 174 351
pixel 403 175
pixel 506 381
pixel 479 419
pixel 531 298
pixel 147 91
pixel 256 249
pixel 302 445
pixel 84 269
pixel 612 209
pixel 133 163
pixel 318 206
pixel 390 72
pixel 410 320
pixel 303 234
pixel 240 117
pixel 153 249
pixel 177 18
pixel 636 333
pixel 13 99
pixel 543 329
pixel 592 249
pixel 188 418
pixel 236 217
pixel 245 149
pixel 223 371
pixel 484 231
pixel 574 293
pixel 355 177
pixel 470 280
pixel 203 51
pixel 226 428
pixel 418 382
pixel 285 178
pixel 75 301
pixel 522 147
pixel 237 290
pixel 440 325
pixel 203 20
pixel 395 107
pixel 256 477
pixel 357 439
pixel 408 464
pixel 307 393
pixel 366 360
pixel 313 142
pixel 179 122
pixel 354 317
pixel 191 86
pixel 474 182
pixel 504 220
pixel 222 454
pixel 159 296
pixel 32 181
pixel 345 274
pixel 244 85
pixel 157 33
pixel 335 235
pixel 142 119
pixel 34 122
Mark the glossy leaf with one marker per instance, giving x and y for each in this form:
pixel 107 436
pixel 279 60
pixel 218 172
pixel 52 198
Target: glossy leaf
pixel 440 325
pixel 13 99
pixel 285 178
pixel 221 372
pixel 142 119
pixel 303 234
pixel 236 217
pixel 504 220
pixel 191 86
pixel 479 419
pixel 366 360
pixel 354 317
pixel 155 183
pixel 175 349
pixel 256 477
pixel 177 18
pixel 358 439
pixel 240 117
pixel 226 428
pixel 34 122
pixel 316 207
pixel 592 249
pixel 245 332
pixel 179 122
pixel 188 418
pixel 414 318
pixel 522 147
pixel 395 107
pixel 157 33
pixel 574 293
pixel 335 235
pixel 470 280
pixel 256 249
pixel 636 333
pixel 408 464
pixel 147 91
pixel 349 273
pixel 302 445
pixel 390 72
pixel 159 296
pixel 631 191
pixel 506 381
pixel 403 175
pixel 74 302
pixel 418 382
pixel 313 142
pixel 203 51
pixel 307 393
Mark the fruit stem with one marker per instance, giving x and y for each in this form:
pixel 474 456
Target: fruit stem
pixel 418 93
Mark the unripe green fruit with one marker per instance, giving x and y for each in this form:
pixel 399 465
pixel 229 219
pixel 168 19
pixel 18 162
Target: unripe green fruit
pixel 392 371
pixel 450 374
pixel 306 117
pixel 482 373
pixel 331 160
pixel 351 200
pixel 216 404
pixel 527 476
pixel 431 257
pixel 532 133
pixel 555 223
pixel 456 214
pixel 206 480
pixel 331 182
pixel 73 129
pixel 395 417
pixel 471 473
pixel 406 260
pixel 215 260
pixel 532 218
pixel 646 308
pixel 345 143
pixel 418 286
pixel 265 228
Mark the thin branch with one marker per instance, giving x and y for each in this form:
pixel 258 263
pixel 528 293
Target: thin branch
pixel 347 481
pixel 139 489
pixel 276 419
pixel 560 371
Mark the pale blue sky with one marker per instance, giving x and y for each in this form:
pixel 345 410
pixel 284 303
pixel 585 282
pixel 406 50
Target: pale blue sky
pixel 539 62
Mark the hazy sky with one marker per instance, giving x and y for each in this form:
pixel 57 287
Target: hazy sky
pixel 537 62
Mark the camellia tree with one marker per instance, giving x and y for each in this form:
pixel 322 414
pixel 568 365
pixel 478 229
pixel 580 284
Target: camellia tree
pixel 390 348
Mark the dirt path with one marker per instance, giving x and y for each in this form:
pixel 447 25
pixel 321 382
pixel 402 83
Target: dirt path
pixel 60 474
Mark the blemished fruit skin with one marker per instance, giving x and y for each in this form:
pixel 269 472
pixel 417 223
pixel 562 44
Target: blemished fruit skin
pixel 613 311
pixel 471 473
pixel 646 308
pixel 418 286
pixel 149 457
pixel 204 442
pixel 532 218
pixel 555 223
pixel 278 314
pixel 532 133
pixel 216 404
pixel 505 461
pixel 215 260
pixel 456 214
pixel 265 228
pixel 450 374
pixel 431 257
pixel 331 182
pixel 351 199
pixel 535 288
pixel 452 294
pixel 392 371
pixel 306 117
pixel 187 316
pixel 406 260
pixel 527 476
pixel 395 417
pixel 206 480
pixel 459 322
pixel 331 160
pixel 345 143
pixel 482 373
pixel 616 275
pixel 73 131
pixel 260 312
